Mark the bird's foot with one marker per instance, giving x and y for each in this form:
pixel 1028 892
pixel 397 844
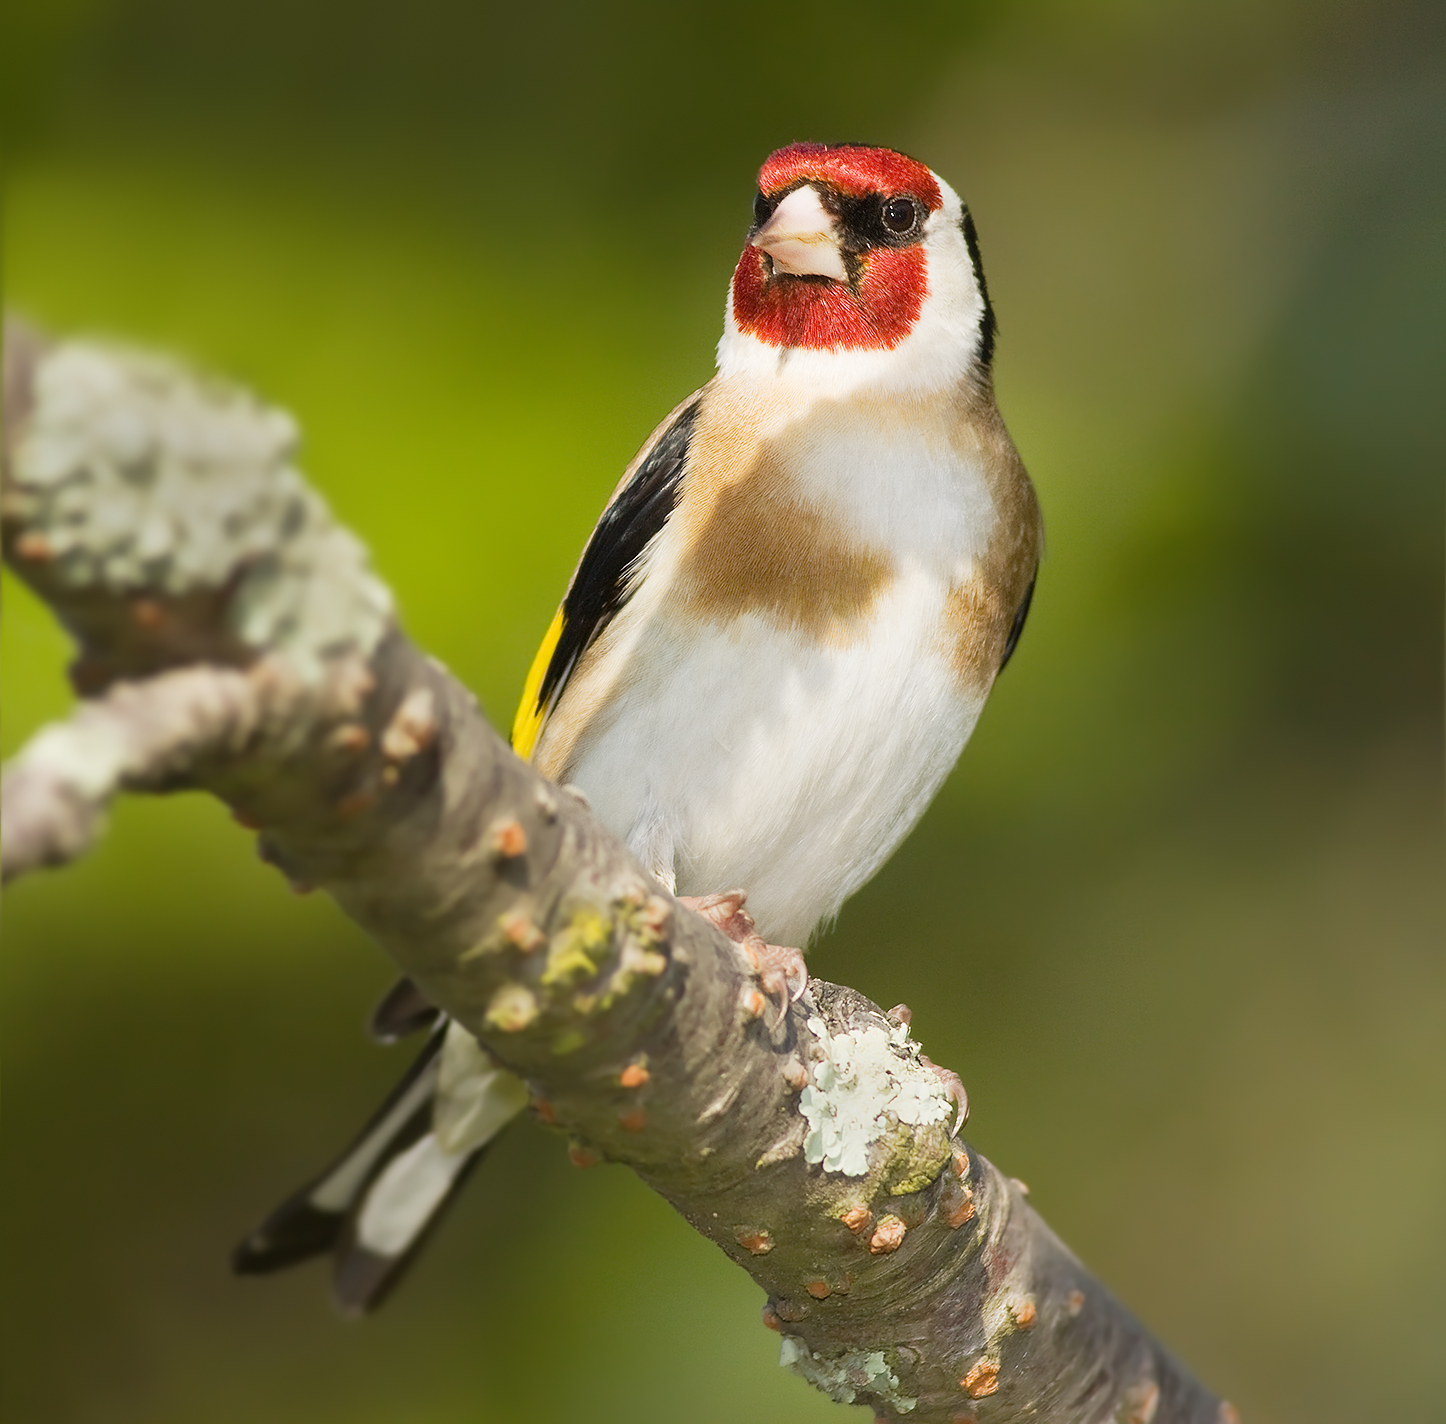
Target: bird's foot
pixel 780 970
pixel 724 910
pixel 953 1085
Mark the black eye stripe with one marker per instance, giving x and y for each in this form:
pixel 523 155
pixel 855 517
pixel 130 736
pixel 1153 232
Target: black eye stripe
pixel 882 220
pixel 874 220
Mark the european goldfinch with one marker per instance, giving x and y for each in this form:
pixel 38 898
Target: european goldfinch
pixel 778 639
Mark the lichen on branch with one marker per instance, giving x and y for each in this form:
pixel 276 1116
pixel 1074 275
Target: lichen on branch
pixel 134 477
pixel 232 638
pixel 858 1089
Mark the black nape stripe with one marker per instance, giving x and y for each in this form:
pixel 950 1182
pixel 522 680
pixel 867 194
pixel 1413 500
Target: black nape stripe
pixel 1017 627
pixel 603 582
pixel 988 327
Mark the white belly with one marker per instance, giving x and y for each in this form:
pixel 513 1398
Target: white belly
pixel 763 761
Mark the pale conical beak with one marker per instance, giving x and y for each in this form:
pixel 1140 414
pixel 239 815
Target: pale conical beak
pixel 802 238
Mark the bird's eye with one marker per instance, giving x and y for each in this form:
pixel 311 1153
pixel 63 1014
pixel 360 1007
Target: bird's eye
pixel 900 214
pixel 762 209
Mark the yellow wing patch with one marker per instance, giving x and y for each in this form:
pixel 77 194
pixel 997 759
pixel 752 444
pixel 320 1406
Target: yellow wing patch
pixel 528 722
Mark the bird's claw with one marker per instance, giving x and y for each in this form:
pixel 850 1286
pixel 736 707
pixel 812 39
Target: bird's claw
pixel 725 910
pixel 780 971
pixel 954 1086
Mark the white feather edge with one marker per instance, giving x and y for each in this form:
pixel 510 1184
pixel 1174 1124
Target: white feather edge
pixel 337 1189
pixel 474 1101
pixel 402 1199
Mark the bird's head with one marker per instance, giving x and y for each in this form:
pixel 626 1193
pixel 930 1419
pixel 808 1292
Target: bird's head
pixel 861 265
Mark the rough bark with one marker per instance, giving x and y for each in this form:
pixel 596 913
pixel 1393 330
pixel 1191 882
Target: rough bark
pixel 232 638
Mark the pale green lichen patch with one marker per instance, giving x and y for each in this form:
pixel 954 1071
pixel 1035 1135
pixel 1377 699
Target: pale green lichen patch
pixel 579 947
pixel 635 963
pixel 916 1158
pixel 868 1086
pixel 137 474
pixel 642 922
pixel 646 917
pixel 511 1009
pixel 514 929
pixel 844 1377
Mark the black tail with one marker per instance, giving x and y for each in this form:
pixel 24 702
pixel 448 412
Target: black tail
pixel 363 1275
pixel 402 1011
pixel 310 1221
pixel 377 1204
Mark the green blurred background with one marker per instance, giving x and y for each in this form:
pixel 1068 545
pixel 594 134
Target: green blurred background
pixel 1177 917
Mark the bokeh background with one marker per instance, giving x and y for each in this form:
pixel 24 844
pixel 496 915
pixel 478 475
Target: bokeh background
pixel 1177 918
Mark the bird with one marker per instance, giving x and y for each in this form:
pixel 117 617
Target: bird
pixel 773 649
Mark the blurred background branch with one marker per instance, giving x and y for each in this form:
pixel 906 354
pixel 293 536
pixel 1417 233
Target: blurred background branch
pixel 1191 860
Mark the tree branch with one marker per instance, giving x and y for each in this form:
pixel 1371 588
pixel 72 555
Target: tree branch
pixel 232 638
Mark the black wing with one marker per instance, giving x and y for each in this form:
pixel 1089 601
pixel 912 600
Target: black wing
pixel 604 581
pixel 402 1011
pixel 1017 627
